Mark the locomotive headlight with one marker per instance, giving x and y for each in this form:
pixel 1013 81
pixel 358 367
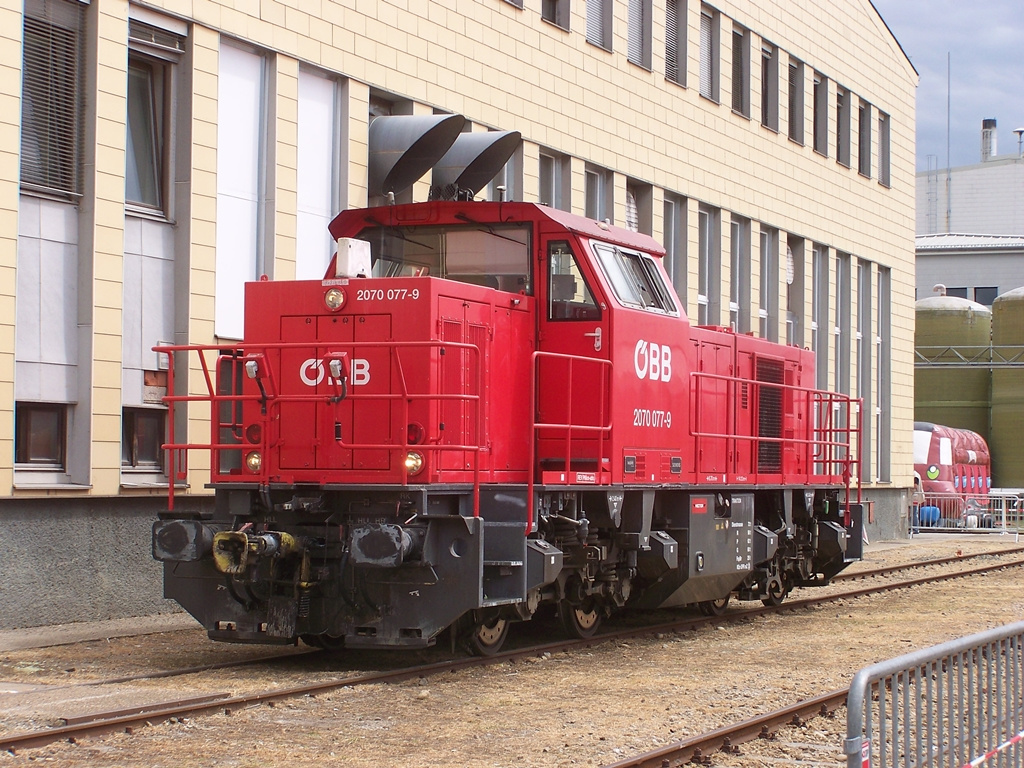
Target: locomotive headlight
pixel 334 299
pixel 413 462
pixel 253 461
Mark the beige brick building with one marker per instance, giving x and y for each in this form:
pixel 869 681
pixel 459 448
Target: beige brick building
pixel 157 155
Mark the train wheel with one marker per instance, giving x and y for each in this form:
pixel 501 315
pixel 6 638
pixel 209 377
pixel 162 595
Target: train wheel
pixel 487 637
pixel 714 607
pixel 580 621
pixel 775 592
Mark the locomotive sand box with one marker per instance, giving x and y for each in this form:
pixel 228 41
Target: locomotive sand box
pixel 488 407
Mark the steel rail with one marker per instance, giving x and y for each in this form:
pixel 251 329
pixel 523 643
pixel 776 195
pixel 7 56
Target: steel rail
pixel 698 749
pixel 104 723
pixel 850 575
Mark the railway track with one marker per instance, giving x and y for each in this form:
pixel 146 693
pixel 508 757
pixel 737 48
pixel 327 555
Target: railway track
pixel 129 718
pixel 699 749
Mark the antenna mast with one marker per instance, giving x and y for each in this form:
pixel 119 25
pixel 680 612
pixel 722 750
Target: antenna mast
pixel 949 175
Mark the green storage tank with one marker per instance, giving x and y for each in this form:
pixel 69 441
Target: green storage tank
pixel 953 396
pixel 1007 441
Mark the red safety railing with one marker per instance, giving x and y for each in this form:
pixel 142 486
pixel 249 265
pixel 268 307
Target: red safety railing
pixel 830 438
pixel 266 358
pixel 576 434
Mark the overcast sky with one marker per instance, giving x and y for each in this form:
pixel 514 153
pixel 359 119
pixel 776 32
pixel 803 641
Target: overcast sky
pixel 985 44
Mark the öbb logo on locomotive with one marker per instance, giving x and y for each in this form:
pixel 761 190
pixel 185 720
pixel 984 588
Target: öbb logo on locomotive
pixel 652 361
pixel 312 372
pixel 499 467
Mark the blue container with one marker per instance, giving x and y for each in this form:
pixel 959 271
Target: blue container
pixel 929 515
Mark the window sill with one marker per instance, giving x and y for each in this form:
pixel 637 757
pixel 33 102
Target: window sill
pixel 144 212
pixel 45 485
pixel 564 28
pixel 49 193
pixel 150 485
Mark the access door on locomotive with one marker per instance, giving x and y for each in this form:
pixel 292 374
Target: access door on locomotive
pixel 611 358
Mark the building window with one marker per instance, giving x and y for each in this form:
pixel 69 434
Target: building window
pixel 769 86
pixel 675 41
pixel 554 178
pixel 675 242
pixel 241 169
pixel 794 271
pixel 144 139
pixel 516 3
pixel 739 274
pixel 709 53
pixel 883 378
pixel 741 71
pixel 40 435
pixel 840 330
pixel 555 11
pixel 864 349
pixel 507 183
pixel 768 312
pixel 820 313
pixel 598 193
pixel 796 100
pixel 632 222
pixel 820 114
pixel 959 292
pixel 708 266
pixel 318 192
pixel 986 295
pixel 639 198
pixel 864 138
pixel 151 57
pixel 639 33
pixel 51 103
pixel 599 23
pixel 142 434
pixel 883 149
pixel 843 97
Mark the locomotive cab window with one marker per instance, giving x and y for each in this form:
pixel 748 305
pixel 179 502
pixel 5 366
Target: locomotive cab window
pixel 569 296
pixel 493 256
pixel 634 278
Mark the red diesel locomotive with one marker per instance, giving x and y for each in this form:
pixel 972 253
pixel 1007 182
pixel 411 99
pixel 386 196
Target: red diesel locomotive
pixel 488 407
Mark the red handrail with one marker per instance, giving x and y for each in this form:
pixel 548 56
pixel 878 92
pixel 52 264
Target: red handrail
pixel 274 400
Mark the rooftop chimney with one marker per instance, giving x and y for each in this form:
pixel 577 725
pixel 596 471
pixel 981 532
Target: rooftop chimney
pixel 988 139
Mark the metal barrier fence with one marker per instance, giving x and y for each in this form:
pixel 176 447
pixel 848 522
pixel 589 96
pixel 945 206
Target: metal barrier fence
pixel 955 705
pixel 996 511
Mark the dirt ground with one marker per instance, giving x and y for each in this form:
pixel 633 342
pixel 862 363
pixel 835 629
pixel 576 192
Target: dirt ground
pixel 583 708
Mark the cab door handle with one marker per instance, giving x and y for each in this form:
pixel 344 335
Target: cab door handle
pixel 597 338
